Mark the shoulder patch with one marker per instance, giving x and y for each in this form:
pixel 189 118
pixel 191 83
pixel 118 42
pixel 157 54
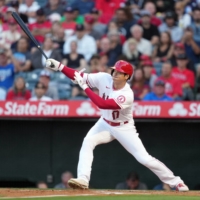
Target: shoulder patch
pixel 121 99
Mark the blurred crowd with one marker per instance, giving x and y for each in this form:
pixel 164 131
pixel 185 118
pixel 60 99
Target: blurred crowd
pixel 161 39
pixel 131 182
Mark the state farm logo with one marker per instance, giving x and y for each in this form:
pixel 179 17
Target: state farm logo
pixel 146 110
pixel 178 110
pixel 85 109
pixel 29 109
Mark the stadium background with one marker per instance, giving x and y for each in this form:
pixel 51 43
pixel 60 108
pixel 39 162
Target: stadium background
pixel 33 150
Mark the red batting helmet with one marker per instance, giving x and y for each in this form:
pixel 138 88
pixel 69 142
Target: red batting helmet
pixel 124 67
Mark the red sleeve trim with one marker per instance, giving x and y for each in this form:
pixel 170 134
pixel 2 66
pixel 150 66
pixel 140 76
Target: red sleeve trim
pixel 69 72
pixel 108 104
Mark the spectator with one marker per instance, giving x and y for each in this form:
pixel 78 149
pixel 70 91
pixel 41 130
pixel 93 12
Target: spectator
pixel 7 71
pixel 150 77
pixel 86 43
pixel 79 19
pixel 41 185
pixel 107 52
pixel 78 93
pixel 95 65
pixel 195 25
pixel 64 178
pixel 142 59
pixel 51 89
pixel 104 45
pixel 19 91
pixel 73 59
pixel 89 23
pixel 69 24
pixel 22 57
pixel 143 45
pixel 124 20
pixel 29 8
pixel 150 6
pixel 98 26
pixel 170 26
pixel 185 76
pixel 172 85
pixel 38 60
pixel 54 17
pixel 84 6
pixel 178 50
pixel 53 6
pixel 192 47
pixel 112 26
pixel 135 4
pixel 191 5
pixel 15 4
pixel 184 20
pixel 11 35
pixel 58 37
pixel 31 45
pixel 107 8
pixel 41 27
pixel 115 47
pixel 132 183
pixel 161 8
pixel 2 94
pixel 131 53
pixel 198 83
pixel 7 16
pixel 165 48
pixel 158 94
pixel 150 31
pixel 104 59
pixel 40 91
pixel 138 85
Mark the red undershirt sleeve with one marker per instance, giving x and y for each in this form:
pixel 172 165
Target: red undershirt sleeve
pixel 69 72
pixel 108 104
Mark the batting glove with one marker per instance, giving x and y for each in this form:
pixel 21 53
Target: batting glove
pixel 54 65
pixel 80 81
pixel 82 70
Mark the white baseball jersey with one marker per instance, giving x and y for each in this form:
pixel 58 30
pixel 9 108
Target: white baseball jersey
pixel 123 97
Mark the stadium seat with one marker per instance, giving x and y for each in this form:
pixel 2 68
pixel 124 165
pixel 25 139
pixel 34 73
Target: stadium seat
pixel 30 86
pixel 32 77
pixel 21 74
pixel 61 78
pixel 64 94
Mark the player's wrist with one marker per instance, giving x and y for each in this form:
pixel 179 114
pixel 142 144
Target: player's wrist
pixel 84 86
pixel 60 67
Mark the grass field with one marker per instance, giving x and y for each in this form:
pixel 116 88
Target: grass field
pixel 51 194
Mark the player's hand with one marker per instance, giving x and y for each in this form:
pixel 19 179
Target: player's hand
pixel 82 70
pixel 80 81
pixel 54 65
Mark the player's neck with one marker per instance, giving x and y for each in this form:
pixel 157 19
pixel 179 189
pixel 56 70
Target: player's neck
pixel 118 86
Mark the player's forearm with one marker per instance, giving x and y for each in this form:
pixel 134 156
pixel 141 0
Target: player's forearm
pixel 108 104
pixel 68 72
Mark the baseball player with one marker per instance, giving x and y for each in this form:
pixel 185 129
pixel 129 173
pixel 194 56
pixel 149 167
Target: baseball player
pixel 115 101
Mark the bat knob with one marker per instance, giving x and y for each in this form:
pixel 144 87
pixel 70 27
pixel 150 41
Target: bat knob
pixel 49 64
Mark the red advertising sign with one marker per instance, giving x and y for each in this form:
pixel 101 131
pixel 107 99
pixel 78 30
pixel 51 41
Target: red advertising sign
pixel 85 109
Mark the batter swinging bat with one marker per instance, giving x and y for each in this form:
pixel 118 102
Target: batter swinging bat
pixel 27 31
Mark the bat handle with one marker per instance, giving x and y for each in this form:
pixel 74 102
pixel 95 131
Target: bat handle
pixel 39 47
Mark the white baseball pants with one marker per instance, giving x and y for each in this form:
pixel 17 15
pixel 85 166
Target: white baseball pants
pixel 102 133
